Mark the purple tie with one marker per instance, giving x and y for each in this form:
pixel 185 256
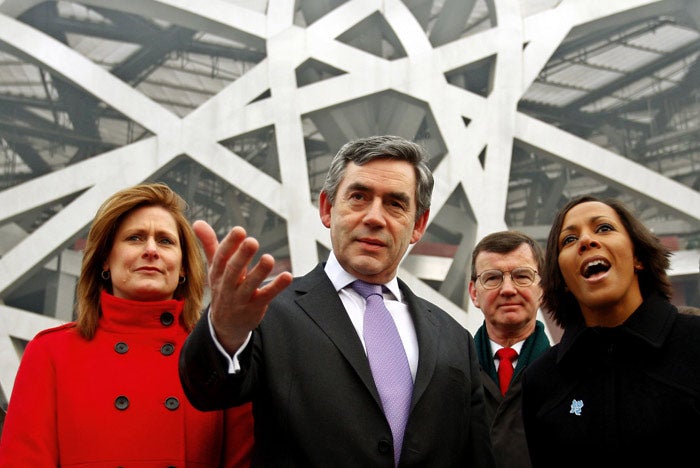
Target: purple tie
pixel 388 361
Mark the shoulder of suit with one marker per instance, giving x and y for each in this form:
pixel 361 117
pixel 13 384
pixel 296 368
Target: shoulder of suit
pixel 436 311
pixel 310 280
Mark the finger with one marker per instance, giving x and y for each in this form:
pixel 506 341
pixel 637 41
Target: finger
pixel 274 287
pixel 207 237
pixel 263 296
pixel 236 274
pixel 260 273
pixel 227 259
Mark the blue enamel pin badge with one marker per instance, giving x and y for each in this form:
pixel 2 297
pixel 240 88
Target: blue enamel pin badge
pixel 576 406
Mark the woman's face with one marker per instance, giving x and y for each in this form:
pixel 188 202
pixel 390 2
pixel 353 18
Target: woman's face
pixel 597 262
pixel 146 259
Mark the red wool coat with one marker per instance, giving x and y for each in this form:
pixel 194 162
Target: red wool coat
pixel 116 400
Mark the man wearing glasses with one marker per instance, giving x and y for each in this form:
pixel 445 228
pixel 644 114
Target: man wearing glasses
pixel 505 285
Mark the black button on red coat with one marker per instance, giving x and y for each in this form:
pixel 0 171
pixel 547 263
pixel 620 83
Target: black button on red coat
pixel 167 319
pixel 121 403
pixel 167 349
pixel 172 403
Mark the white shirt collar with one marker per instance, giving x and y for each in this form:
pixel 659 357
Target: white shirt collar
pixel 517 346
pixel 341 278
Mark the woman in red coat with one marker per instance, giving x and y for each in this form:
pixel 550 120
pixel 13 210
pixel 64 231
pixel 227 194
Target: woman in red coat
pixel 104 391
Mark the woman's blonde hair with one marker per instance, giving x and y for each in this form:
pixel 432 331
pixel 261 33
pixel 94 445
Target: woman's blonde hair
pixel 101 239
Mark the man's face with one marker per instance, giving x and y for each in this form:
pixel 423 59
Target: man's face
pixel 373 219
pixel 510 308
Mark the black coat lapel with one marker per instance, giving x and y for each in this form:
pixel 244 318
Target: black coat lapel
pixel 427 332
pixel 317 297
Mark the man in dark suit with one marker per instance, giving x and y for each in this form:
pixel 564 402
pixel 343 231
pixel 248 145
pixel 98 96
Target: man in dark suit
pixel 505 285
pixel 299 352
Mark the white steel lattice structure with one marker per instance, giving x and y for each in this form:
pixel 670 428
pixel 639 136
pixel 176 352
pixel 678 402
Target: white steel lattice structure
pixel 239 105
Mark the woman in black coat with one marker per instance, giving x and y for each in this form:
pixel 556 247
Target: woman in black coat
pixel 622 388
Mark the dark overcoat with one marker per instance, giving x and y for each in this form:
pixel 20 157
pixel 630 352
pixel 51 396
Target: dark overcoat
pixel 622 396
pixel 504 412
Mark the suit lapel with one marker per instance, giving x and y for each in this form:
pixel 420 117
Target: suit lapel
pixel 427 333
pixel 317 297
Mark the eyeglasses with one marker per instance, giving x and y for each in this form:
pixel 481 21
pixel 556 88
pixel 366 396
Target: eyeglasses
pixel 522 276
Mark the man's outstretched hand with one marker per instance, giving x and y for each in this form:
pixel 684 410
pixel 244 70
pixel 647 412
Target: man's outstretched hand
pixel 238 298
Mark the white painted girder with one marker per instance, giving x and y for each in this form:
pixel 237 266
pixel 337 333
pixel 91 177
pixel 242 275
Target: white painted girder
pixel 74 67
pixel 606 165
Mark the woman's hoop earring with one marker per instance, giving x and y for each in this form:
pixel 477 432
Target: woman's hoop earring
pixel 105 275
pixel 182 279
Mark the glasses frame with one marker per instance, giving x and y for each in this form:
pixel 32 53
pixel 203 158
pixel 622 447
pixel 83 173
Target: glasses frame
pixel 509 273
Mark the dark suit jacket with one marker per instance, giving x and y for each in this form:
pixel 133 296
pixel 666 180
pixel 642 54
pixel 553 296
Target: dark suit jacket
pixel 314 400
